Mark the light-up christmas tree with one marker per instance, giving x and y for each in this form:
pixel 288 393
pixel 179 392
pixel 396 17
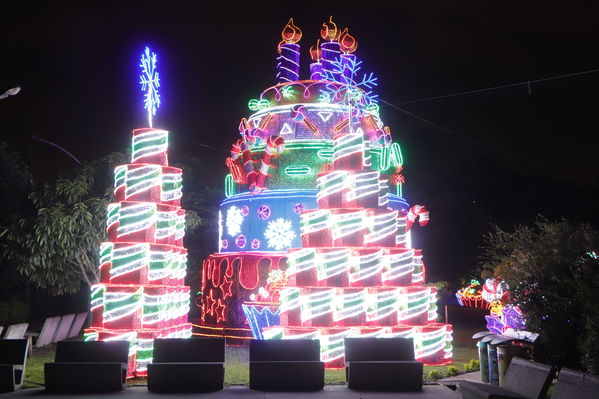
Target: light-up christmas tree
pixel 141 294
pixel 314 235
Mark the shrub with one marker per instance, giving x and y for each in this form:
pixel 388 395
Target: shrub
pixel 452 371
pixel 551 268
pixel 472 365
pixel 435 375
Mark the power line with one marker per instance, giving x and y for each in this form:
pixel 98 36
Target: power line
pixel 506 86
pixel 42 140
pixel 198 143
pixel 466 138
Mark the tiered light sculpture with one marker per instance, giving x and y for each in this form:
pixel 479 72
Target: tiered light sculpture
pixel 314 233
pixel 141 294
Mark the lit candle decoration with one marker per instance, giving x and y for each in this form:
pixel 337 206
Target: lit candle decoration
pixel 316 66
pixel 289 53
pixel 330 49
pixel 150 82
pixel 348 44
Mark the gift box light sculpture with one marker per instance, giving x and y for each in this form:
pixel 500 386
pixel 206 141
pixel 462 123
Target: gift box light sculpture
pixel 141 294
pixel 494 294
pixel 314 234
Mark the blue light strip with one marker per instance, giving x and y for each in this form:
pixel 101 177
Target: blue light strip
pixel 271 194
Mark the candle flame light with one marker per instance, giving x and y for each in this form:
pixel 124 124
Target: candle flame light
pixel 329 30
pixel 291 34
pixel 348 43
pixel 315 52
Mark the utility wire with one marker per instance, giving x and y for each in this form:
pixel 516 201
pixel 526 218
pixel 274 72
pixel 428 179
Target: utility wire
pixel 198 143
pixel 463 93
pixel 42 140
pixel 507 86
pixel 466 138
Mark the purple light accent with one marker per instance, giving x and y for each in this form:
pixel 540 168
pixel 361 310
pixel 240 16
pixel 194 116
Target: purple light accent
pixel 459 299
pixel 316 71
pixel 298 208
pixel 347 59
pixel 330 52
pixel 224 244
pixel 494 325
pixel 264 212
pixel 245 210
pixel 288 63
pixel 255 243
pixel 513 318
pixel 240 241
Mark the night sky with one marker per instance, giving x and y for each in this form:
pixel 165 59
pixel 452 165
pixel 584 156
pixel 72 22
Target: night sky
pixel 500 156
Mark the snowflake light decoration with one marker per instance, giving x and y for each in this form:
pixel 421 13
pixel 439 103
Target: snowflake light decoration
pixel 150 82
pixel 234 220
pixel 355 89
pixel 279 234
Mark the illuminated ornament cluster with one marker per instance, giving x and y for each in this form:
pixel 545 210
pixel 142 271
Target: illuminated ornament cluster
pixel 494 295
pixel 324 249
pixel 471 296
pixel 142 293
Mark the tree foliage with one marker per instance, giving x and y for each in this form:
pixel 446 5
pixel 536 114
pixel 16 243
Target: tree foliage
pixel 55 245
pixel 552 270
pixel 16 183
pixel 56 248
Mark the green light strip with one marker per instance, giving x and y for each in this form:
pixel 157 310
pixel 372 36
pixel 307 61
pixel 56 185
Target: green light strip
pixel 229 185
pixel 300 145
pixel 298 170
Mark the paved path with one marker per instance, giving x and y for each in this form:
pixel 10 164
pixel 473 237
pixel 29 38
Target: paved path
pixel 241 392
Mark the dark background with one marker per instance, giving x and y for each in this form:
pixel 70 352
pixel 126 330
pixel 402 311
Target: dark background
pixel 520 153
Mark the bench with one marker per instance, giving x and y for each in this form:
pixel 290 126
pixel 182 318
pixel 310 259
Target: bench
pixel 16 331
pixel 64 325
pixel 77 324
pixel 187 365
pixel 13 355
pixel 88 366
pixel 286 365
pixel 382 364
pixel 46 336
pixel 575 384
pixel 523 379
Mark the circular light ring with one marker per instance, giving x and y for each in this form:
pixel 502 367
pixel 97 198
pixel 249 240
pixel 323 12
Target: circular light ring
pixel 264 212
pixel 240 241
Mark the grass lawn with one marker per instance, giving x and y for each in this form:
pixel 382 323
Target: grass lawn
pixel 237 369
pixel 34 368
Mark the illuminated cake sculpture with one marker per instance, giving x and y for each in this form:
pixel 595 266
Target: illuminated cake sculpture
pixel 314 235
pixel 141 294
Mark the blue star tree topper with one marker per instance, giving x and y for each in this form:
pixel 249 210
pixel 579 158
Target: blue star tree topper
pixel 150 82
